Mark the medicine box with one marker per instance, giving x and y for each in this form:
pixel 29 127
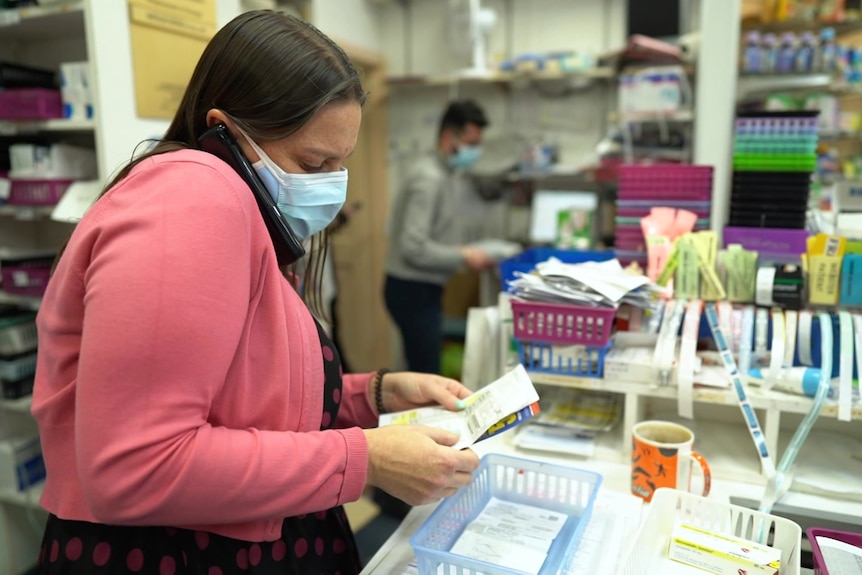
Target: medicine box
pixel 720 553
pixel 21 463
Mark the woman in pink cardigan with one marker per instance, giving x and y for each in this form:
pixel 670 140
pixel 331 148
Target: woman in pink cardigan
pixel 194 416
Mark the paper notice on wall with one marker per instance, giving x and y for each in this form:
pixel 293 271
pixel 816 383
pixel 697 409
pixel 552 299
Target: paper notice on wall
pixel 168 37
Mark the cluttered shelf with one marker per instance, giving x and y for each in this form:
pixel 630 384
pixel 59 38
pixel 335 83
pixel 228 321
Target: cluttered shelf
pixel 34 22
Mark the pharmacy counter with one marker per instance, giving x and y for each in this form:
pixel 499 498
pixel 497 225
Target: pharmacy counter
pixel 613 524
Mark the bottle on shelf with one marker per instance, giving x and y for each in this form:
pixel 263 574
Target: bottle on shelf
pixel 769 53
pixel 805 63
pixel 786 60
pixel 828 53
pixel 752 56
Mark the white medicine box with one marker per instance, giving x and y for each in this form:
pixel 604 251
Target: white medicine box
pixel 21 463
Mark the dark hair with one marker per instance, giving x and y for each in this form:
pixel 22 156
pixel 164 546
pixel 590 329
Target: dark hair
pixel 270 73
pixel 460 113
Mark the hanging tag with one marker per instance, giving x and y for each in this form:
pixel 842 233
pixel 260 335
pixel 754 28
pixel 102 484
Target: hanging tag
pixel 845 367
pixel 804 337
pixel 778 344
pixel 747 332
pixel 790 320
pixel 688 359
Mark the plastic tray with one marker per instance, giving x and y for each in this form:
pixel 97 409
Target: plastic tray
pixel 584 361
pixel 564 489
pixel 648 553
pixel 526 261
pixel 854 539
pixel 17 368
pixel 562 323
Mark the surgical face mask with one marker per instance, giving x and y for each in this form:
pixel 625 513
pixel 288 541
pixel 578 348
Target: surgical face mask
pixel 309 202
pixel 466 157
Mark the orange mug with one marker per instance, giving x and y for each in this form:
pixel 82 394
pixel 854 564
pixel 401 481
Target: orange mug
pixel 662 456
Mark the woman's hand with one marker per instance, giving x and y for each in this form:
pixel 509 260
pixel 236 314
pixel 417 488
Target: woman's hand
pixel 416 463
pixel 407 390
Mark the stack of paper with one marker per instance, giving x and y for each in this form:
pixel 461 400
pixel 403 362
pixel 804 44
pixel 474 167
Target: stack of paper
pixel 590 283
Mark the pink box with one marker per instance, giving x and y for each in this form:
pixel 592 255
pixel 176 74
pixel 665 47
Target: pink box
pixel 30 104
pixel 37 192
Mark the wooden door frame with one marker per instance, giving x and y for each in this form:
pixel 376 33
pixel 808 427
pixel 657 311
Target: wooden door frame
pixel 359 250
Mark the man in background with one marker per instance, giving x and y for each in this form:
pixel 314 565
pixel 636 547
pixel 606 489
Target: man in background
pixel 426 242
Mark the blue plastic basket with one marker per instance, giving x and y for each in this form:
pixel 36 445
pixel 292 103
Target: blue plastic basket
pixel 540 357
pixel 554 487
pixel 526 261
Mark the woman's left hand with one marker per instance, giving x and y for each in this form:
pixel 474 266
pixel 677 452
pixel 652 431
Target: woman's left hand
pixel 405 390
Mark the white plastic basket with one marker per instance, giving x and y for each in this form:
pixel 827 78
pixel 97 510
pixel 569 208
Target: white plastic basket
pixel 648 554
pixel 18 368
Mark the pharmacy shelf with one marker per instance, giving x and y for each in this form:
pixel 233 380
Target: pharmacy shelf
pixel 27 498
pixel 28 302
pixel 657 116
pixel 26 212
pixel 36 22
pixel 802 26
pixel 20 405
pixel 784 402
pixel 753 85
pixel 501 78
pixel 11 128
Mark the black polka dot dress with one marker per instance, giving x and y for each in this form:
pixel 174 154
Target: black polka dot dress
pixel 317 543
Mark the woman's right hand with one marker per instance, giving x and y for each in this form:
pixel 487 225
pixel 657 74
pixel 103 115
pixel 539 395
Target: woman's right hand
pixel 476 259
pixel 416 463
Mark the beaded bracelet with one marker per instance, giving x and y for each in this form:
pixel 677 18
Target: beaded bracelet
pixel 378 389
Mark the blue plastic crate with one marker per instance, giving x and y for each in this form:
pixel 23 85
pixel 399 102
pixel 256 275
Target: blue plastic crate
pixel 554 487
pixel 526 261
pixel 540 357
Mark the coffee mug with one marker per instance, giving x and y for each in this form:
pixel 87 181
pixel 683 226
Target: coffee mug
pixel 662 456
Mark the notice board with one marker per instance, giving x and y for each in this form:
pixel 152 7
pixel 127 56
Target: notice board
pixel 168 37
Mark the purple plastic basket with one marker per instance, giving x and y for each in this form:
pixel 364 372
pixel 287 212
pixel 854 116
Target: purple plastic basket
pixel 26 278
pixel 854 539
pixel 562 323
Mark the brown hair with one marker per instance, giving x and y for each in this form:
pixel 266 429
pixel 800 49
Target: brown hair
pixel 270 73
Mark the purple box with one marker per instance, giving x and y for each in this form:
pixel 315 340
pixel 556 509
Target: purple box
pixel 770 243
pixel 854 539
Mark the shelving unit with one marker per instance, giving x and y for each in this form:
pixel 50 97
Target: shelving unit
pixel 503 78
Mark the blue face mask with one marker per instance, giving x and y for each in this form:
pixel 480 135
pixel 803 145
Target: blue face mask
pixel 309 202
pixel 466 157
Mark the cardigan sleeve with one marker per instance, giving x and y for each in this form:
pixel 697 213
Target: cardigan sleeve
pixel 167 295
pixel 355 408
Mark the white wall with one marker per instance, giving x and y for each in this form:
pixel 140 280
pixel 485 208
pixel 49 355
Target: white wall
pixel 353 22
pixel 110 56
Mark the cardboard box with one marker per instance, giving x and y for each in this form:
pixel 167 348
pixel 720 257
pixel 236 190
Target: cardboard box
pixel 721 554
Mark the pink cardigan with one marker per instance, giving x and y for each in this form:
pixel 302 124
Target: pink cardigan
pixel 180 377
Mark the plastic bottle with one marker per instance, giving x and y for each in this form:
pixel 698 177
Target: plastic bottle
pixel 769 53
pixel 805 53
pixel 751 56
pixel 828 50
pixel 786 54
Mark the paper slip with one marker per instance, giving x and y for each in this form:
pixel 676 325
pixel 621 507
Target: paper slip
pixel 486 407
pixel 840 557
pixel 511 534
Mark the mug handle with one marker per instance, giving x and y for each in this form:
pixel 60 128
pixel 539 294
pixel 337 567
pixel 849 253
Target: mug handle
pixel 704 467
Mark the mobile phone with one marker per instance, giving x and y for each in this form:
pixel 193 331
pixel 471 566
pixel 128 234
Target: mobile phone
pixel 219 142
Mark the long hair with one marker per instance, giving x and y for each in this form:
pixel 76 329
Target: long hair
pixel 270 73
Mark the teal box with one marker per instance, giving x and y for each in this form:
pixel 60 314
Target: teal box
pixel 851 280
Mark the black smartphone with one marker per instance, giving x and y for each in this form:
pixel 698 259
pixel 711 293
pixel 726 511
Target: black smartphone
pixel 219 142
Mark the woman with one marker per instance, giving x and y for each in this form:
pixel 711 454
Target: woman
pixel 194 418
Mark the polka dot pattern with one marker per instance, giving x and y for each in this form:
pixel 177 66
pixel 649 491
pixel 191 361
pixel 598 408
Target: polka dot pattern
pixel 316 542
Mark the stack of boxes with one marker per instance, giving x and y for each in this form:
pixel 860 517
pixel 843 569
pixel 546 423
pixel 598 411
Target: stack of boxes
pixel 642 188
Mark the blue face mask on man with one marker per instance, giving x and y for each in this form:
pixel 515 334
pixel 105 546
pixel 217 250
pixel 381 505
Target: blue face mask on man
pixel 466 157
pixel 309 202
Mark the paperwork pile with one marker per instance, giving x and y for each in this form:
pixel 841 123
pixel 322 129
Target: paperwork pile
pixel 595 284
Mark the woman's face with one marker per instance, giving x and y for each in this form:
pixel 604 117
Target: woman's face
pixel 321 145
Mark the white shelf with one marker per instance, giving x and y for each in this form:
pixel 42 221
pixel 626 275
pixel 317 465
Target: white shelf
pixel 37 22
pixel 10 127
pixel 28 498
pixel 28 302
pixel 785 402
pixel 656 116
pixel 501 78
pixel 20 405
pixel 26 212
